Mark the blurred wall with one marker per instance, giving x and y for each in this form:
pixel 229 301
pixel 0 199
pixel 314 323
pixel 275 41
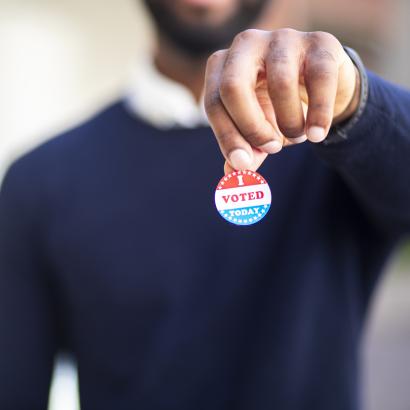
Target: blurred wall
pixel 60 61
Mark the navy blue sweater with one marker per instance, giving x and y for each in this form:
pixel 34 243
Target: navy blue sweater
pixel 111 248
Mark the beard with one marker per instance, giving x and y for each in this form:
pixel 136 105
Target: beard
pixel 199 40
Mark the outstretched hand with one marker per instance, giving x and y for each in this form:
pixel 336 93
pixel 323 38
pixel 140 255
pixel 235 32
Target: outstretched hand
pixel 276 88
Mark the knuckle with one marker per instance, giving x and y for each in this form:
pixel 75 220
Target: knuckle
pixel 247 35
pixel 278 55
pixel 323 45
pixel 280 40
pixel 321 53
pixel 214 61
pixel 321 36
pixel 322 72
pixel 282 82
pixel 216 55
pixel 328 37
pixel 229 87
pixel 212 103
pixel 284 32
pixel 232 59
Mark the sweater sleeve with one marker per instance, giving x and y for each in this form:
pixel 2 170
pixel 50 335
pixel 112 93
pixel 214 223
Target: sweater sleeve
pixel 27 341
pixel 374 158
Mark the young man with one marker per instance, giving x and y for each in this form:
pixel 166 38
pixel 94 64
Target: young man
pixel 110 245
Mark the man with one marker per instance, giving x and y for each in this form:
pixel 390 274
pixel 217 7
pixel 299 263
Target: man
pixel 110 246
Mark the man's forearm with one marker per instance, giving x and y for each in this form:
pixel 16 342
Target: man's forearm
pixel 374 159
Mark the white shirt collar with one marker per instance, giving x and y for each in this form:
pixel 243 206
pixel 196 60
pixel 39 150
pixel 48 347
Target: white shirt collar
pixel 161 101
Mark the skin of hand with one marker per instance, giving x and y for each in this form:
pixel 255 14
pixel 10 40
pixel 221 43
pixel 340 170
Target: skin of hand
pixel 272 89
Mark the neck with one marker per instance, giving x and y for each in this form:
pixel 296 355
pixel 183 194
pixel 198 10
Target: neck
pixel 178 66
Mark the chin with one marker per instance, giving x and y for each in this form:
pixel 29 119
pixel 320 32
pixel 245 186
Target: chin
pixel 195 28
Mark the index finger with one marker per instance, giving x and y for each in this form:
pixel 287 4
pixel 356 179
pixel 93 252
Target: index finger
pixel 233 146
pixel 243 66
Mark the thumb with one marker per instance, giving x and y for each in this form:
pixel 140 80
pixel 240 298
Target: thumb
pixel 258 158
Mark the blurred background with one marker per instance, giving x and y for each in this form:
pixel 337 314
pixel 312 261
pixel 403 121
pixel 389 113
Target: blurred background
pixel 60 61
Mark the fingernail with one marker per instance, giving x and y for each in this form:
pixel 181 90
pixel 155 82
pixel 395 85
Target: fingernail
pixel 271 147
pixel 298 140
pixel 316 134
pixel 240 159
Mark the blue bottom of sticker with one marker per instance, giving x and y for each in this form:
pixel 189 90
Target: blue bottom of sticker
pixel 245 216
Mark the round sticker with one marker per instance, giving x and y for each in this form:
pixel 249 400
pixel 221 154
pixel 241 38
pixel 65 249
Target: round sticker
pixel 243 197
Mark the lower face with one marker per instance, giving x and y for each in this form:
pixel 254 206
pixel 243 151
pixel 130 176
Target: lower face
pixel 202 26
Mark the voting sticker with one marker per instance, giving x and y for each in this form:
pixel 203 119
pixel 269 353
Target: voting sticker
pixel 243 197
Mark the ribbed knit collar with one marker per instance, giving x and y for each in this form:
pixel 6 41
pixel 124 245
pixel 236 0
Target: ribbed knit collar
pixel 161 101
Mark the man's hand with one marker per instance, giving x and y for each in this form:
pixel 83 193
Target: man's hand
pixel 277 88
